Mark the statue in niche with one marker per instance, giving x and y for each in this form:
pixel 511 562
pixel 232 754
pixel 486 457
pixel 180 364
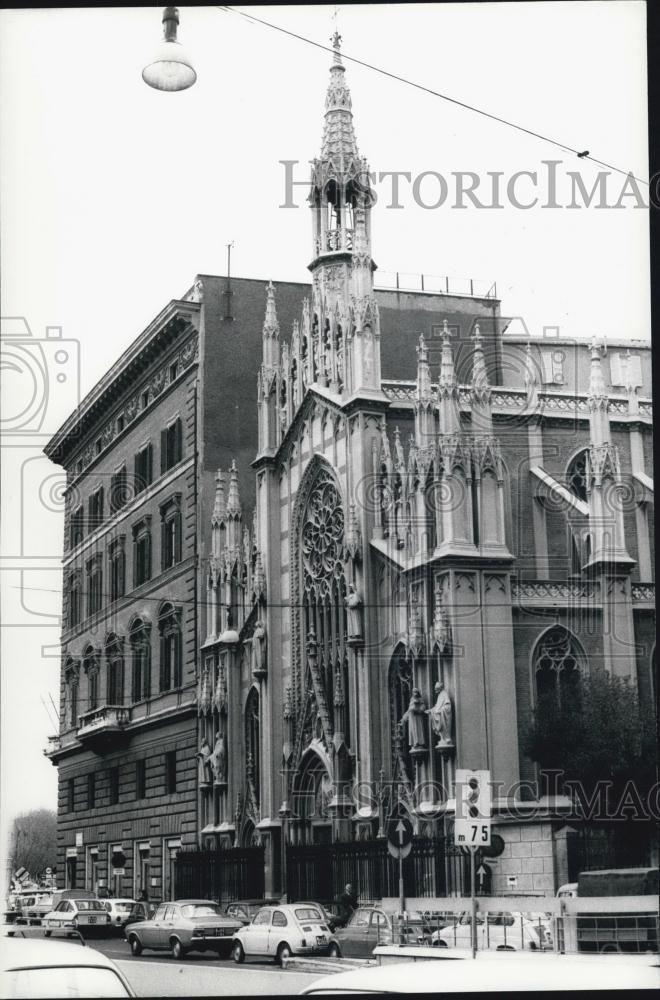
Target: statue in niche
pixel 414 718
pixel 368 355
pixel 441 716
pixel 219 761
pixel 353 604
pixel 203 756
pixel 259 650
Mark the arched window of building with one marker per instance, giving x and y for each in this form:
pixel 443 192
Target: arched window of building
pixel 140 643
pixel 115 678
pixel 171 665
pixel 91 668
pixel 253 739
pixel 324 587
pixel 71 681
pixel 558 662
pixel 576 475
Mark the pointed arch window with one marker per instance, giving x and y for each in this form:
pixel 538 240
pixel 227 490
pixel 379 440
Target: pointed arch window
pixel 253 739
pixel 324 591
pixel 400 693
pixel 576 475
pixel 171 666
pixel 558 662
pixel 140 644
pixel 115 680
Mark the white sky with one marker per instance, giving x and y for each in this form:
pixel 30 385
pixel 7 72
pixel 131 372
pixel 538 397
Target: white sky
pixel 114 196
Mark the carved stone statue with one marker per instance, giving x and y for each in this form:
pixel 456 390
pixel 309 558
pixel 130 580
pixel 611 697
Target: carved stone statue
pixel 353 604
pixel 441 716
pixel 259 650
pixel 414 719
pixel 219 761
pixel 203 756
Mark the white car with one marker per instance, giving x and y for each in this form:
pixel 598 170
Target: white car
pixel 281 931
pixel 502 931
pixel 77 915
pixel 119 910
pixel 492 972
pixel 32 967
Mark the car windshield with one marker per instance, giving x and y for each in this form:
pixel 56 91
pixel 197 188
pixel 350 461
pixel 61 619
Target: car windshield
pixel 70 981
pixel 200 910
pixel 307 913
pixel 89 904
pixel 360 918
pixel 124 907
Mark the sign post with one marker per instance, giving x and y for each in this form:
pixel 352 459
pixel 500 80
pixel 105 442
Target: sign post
pixel 399 844
pixel 472 828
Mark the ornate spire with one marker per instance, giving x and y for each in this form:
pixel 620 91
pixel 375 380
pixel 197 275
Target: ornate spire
pixel 597 390
pixel 271 330
pixel 339 143
pixel 480 383
pixel 233 499
pixel 598 400
pixel 447 380
pixel 399 458
pixel 219 505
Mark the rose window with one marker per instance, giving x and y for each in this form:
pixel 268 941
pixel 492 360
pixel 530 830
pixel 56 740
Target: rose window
pixel 323 531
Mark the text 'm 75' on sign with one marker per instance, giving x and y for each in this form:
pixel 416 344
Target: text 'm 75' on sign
pixel 473 808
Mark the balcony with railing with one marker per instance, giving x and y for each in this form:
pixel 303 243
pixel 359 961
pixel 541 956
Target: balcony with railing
pixel 103 725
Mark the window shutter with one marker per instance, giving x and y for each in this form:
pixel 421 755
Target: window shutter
pixel 163 654
pixel 177 537
pixel 100 510
pixel 163 451
pixel 90 512
pixel 163 543
pixel 178 448
pixel 149 464
pixel 137 485
pixel 148 556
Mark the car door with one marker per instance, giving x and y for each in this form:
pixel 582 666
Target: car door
pixel 280 931
pixel 149 933
pixel 380 931
pixel 255 941
pixel 354 937
pixel 167 924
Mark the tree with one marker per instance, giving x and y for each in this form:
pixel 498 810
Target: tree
pixel 33 843
pixel 602 733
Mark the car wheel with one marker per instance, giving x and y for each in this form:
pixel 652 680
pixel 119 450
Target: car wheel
pixel 136 945
pixel 334 951
pixel 178 951
pixel 47 933
pixel 439 943
pixel 237 952
pixel 284 951
pixel 505 947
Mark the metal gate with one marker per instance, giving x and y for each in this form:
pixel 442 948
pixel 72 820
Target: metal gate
pixel 434 867
pixel 237 873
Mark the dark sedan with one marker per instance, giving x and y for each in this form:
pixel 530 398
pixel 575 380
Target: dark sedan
pixel 370 926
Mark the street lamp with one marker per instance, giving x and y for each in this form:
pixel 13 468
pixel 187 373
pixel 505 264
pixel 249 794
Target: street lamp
pixel 171 67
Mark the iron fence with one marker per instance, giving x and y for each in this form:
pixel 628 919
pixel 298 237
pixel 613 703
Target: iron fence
pixel 237 873
pixel 434 867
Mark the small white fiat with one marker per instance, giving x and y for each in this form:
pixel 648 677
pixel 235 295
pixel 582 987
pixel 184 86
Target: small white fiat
pixel 281 931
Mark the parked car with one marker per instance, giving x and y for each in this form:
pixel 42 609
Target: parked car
pixel 567 891
pixel 142 910
pixel 245 909
pixel 370 926
pixel 85 915
pixel 284 930
pixel 492 971
pixel 183 926
pixel 35 905
pixel 332 919
pixel 32 967
pixel 502 931
pixel 119 910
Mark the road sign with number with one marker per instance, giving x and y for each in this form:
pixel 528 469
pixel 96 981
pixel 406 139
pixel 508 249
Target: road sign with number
pixel 473 808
